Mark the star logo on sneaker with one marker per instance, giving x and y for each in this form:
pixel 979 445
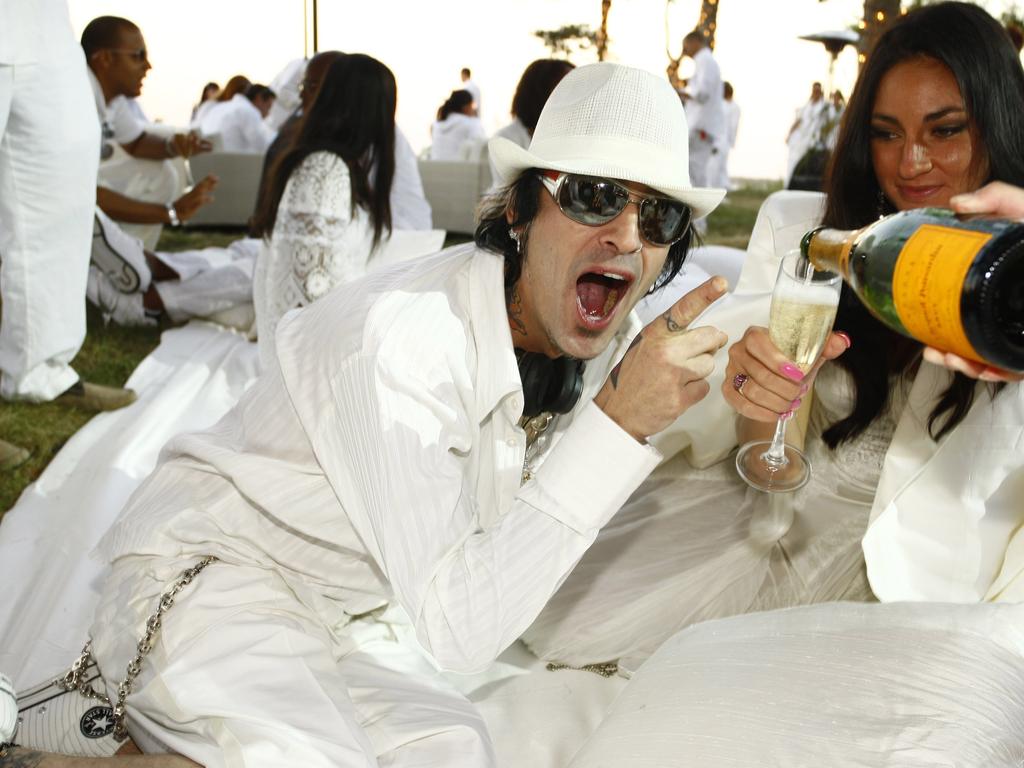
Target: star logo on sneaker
pixel 97 722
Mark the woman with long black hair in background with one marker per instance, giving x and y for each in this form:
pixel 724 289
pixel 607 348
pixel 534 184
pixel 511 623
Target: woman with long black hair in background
pixel 328 210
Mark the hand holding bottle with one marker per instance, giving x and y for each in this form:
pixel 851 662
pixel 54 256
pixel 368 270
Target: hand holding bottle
pixel 995 199
pixel 955 284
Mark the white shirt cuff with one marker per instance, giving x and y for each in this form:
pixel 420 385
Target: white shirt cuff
pixel 591 471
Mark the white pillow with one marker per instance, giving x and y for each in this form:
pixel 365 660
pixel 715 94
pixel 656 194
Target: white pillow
pixel 839 684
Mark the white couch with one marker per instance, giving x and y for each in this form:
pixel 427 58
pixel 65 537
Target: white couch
pixel 454 187
pixel 235 195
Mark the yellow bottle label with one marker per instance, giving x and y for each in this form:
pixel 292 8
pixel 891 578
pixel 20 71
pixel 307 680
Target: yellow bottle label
pixel 928 282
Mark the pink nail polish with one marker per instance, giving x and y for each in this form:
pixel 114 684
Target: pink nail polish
pixel 786 416
pixel 846 338
pixel 795 404
pixel 790 371
pixel 803 389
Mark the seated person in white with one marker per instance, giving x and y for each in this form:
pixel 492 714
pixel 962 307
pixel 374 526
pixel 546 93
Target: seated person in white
pixel 217 283
pixel 380 461
pixel 918 472
pixel 239 120
pixel 237 84
pixel 532 91
pixel 456 126
pixel 136 186
pixel 210 92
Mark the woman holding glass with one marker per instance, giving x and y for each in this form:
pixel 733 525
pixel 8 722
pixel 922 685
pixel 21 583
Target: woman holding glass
pixel 924 125
pixel 932 458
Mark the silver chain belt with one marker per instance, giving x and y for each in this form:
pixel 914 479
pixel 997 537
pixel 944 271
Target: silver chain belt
pixel 74 679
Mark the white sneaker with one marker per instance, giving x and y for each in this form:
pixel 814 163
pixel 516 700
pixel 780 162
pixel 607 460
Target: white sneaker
pixel 119 256
pixel 52 719
pixel 8 711
pixel 123 308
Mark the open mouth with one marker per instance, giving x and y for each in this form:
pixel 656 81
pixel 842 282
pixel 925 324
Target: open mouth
pixel 597 296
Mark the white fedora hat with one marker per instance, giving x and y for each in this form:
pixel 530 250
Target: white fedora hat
pixel 614 121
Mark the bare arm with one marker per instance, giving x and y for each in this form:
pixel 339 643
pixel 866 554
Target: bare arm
pixel 19 757
pixel 150 146
pixel 121 208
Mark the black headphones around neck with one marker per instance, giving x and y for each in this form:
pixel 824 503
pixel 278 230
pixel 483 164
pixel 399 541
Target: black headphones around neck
pixel 549 384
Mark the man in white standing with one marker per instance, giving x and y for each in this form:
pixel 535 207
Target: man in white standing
pixel 440 441
pixel 806 128
pixel 718 166
pixel 473 88
pixel 49 151
pixel 703 99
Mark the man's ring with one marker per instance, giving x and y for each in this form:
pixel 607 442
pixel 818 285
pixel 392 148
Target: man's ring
pixel 738 381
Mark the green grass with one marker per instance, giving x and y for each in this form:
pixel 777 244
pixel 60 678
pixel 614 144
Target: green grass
pixel 731 223
pixel 111 353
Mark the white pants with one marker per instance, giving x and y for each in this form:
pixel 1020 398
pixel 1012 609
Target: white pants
pixel 152 181
pixel 49 152
pixel 700 153
pixel 213 280
pixel 718 169
pixel 244 672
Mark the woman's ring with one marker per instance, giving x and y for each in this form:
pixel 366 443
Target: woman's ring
pixel 738 381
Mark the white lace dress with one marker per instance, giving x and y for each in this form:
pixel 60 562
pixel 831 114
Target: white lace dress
pixel 318 242
pixel 692 545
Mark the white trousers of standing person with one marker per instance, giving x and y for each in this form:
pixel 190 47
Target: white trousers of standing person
pixel 700 154
pixel 247 671
pixel 49 152
pixel 718 169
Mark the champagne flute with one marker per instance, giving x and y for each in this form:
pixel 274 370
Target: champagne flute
pixel 804 304
pixel 186 161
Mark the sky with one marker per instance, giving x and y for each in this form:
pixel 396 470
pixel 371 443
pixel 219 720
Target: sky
pixel 426 44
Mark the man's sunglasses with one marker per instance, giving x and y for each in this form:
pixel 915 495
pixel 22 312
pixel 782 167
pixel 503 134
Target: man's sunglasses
pixel 136 54
pixel 595 201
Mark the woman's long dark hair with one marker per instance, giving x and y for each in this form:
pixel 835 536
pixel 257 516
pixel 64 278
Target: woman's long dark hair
pixel 536 84
pixel 457 102
pixel 978 51
pixel 353 117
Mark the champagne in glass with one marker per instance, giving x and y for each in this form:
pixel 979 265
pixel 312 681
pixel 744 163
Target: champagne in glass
pixel 804 304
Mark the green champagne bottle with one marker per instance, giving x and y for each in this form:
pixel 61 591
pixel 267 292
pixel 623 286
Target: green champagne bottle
pixel 953 284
